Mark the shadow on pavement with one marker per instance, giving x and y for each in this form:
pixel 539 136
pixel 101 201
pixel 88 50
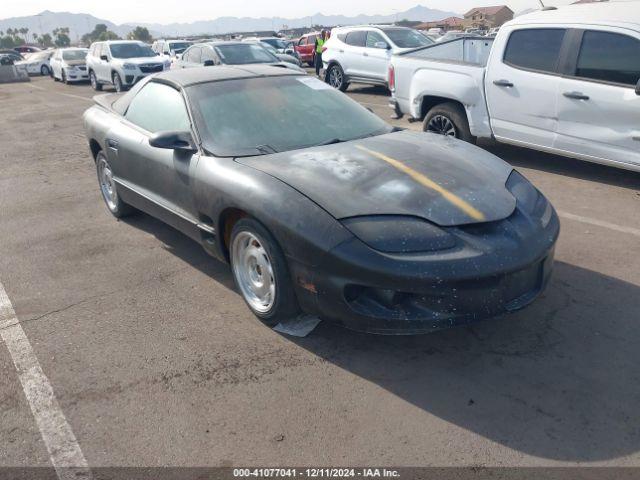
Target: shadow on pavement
pixel 570 167
pixel 559 380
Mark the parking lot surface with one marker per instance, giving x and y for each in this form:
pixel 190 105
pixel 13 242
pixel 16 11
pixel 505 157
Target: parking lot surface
pixel 155 360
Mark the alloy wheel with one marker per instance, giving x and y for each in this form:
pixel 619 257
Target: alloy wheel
pixel 442 125
pixel 253 270
pixel 107 185
pixel 335 77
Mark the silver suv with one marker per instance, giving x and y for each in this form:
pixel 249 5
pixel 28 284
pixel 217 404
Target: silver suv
pixel 122 63
pixel 362 54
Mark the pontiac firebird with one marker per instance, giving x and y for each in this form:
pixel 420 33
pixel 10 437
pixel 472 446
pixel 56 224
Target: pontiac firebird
pixel 320 206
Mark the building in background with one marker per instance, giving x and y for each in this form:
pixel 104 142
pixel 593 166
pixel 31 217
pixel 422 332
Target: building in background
pixel 487 17
pixel 446 24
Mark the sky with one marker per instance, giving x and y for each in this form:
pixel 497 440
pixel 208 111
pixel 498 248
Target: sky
pixel 169 11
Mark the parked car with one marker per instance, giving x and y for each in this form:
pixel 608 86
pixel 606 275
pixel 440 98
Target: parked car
pixel 409 232
pixel 171 48
pixel 229 53
pixel 454 35
pixel 122 63
pixel 10 56
pixel 37 63
pixel 283 57
pixel 362 54
pixel 564 81
pixel 27 49
pixel 69 65
pixel 305 47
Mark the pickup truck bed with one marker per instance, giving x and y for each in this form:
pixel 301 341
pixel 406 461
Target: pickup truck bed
pixel 454 69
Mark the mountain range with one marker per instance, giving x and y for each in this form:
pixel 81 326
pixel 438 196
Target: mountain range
pixel 81 23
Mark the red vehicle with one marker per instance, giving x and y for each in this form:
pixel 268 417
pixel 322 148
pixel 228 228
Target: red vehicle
pixel 27 49
pixel 305 47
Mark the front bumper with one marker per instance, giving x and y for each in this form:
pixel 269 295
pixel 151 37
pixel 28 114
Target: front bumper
pixel 374 292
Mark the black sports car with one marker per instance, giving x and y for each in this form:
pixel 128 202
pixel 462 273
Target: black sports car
pixel 319 205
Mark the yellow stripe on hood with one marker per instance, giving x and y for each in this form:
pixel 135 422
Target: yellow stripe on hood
pixel 427 182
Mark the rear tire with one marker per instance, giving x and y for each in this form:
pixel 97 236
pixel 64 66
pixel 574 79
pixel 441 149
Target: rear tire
pixel 448 119
pixel 95 84
pixel 336 78
pixel 109 188
pixel 261 273
pixel 44 70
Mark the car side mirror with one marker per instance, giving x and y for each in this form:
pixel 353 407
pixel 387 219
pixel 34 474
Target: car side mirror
pixel 638 88
pixel 173 141
pixel 208 63
pixel 381 45
pixel 104 57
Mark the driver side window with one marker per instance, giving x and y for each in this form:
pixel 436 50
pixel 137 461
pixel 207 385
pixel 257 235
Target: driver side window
pixel 158 108
pixel 373 38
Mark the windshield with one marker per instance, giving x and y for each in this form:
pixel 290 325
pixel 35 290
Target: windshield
pixel 74 54
pixel 176 46
pixel 130 50
pixel 275 43
pixel 407 38
pixel 275 114
pixel 243 53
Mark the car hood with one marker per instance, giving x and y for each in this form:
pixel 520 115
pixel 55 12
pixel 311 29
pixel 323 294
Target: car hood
pixel 443 180
pixel 141 60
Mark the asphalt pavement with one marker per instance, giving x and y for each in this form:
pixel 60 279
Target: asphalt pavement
pixel 153 358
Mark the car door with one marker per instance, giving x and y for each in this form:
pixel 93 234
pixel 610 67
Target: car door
pixel 162 177
pixel 353 56
pixel 102 67
pixel 598 104
pixel 56 64
pixel 522 83
pixel 377 55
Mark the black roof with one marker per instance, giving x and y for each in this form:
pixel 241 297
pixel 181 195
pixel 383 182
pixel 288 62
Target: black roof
pixel 190 76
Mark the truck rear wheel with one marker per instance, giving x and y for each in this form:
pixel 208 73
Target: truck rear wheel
pixel 448 119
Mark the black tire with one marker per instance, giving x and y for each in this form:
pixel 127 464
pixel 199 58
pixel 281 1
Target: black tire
pixel 336 78
pixel 285 304
pixel 117 83
pixel 65 80
pixel 45 71
pixel 55 79
pixel 95 84
pixel 115 205
pixel 437 118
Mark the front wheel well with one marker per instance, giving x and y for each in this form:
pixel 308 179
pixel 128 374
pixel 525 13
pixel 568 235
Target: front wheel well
pixel 95 148
pixel 227 219
pixel 430 101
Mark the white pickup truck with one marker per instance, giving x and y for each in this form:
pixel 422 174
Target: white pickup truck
pixel 565 81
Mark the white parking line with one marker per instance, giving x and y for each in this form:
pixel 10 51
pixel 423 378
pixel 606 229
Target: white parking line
pixel 64 451
pixel 599 223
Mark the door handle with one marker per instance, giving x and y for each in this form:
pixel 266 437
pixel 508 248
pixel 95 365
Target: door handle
pixel 637 139
pixel 503 83
pixel 112 144
pixel 341 51
pixel 365 54
pixel 576 95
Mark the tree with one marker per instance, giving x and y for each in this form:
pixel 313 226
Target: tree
pixel 100 33
pixel 45 40
pixel 62 37
pixel 140 33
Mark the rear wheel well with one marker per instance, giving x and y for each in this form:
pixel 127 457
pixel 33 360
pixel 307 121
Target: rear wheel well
pixel 226 221
pixel 95 148
pixel 430 101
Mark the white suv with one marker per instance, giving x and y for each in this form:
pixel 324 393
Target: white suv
pixel 122 63
pixel 362 54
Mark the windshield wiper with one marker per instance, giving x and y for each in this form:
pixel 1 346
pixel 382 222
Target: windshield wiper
pixel 266 149
pixel 329 142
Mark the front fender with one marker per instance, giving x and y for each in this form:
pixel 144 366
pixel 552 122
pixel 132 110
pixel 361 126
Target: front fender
pixel 304 231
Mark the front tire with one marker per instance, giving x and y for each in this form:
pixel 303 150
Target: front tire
pixel 260 272
pixel 117 83
pixel 109 189
pixel 44 71
pixel 65 80
pixel 335 77
pixel 448 119
pixel 97 86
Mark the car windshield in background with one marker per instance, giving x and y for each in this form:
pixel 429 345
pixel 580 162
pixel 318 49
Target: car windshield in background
pixel 405 38
pixel 179 46
pixel 74 54
pixel 276 114
pixel 275 43
pixel 244 53
pixel 130 50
